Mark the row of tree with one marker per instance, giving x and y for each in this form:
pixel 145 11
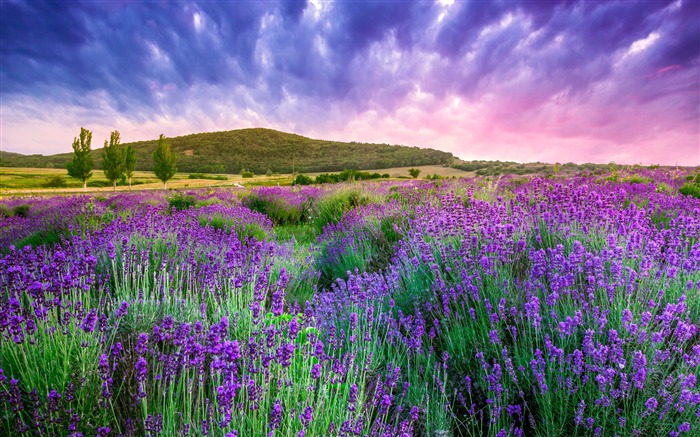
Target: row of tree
pixel 118 163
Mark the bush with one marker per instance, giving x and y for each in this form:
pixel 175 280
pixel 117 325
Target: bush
pixel 689 189
pixel 327 178
pixel 385 176
pixel 21 210
pixel 353 175
pixel 181 202
pixel 636 179
pixel 247 174
pixel 99 184
pixel 56 181
pixel 663 188
pixel 207 176
pixel 5 211
pixel 303 180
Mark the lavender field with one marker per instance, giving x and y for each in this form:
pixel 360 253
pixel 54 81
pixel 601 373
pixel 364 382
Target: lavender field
pixel 509 307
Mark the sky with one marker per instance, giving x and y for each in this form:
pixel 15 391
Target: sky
pixel 551 81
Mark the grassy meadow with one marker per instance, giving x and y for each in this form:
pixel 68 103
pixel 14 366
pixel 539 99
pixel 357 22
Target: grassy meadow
pixel 37 180
pixel 565 305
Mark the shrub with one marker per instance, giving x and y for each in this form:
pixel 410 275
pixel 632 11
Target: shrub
pixel 663 188
pixel 303 180
pixel 6 211
pixel 207 176
pixel 247 174
pixel 385 176
pixel 21 210
pixel 689 189
pixel 636 179
pixel 353 175
pixel 181 202
pixel 414 172
pixel 56 181
pixel 99 184
pixel 327 178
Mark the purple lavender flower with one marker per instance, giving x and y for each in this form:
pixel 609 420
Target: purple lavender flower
pixel 122 310
pixel 307 416
pixel 141 368
pixel 651 404
pixel 275 416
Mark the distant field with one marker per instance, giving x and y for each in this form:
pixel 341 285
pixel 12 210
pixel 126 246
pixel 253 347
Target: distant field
pixel 34 180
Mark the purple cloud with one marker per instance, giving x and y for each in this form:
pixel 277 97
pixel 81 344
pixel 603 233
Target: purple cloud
pixel 478 77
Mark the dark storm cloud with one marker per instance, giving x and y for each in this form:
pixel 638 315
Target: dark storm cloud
pixel 164 58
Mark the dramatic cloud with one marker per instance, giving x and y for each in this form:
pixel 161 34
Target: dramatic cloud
pixel 512 80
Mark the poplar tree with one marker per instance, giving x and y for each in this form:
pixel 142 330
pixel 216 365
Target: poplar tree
pixel 129 162
pixel 164 161
pixel 113 160
pixel 81 166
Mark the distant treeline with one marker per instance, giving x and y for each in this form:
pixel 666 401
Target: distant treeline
pixel 257 150
pixel 496 168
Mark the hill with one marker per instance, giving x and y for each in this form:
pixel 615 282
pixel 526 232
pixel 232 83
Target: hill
pixel 257 150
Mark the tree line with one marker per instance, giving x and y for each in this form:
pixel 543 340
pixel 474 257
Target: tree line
pixel 118 163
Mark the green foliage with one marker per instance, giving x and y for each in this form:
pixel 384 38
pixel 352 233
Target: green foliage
pixel 247 174
pixel 277 209
pixel 303 180
pixel 414 172
pixel 245 232
pixel 330 209
pixel 6 211
pixel 636 179
pixel 48 237
pixel 181 202
pixel 129 162
pixel 21 210
pixel 663 188
pixel 385 176
pixel 301 234
pixel 327 178
pixel 692 186
pixel 81 166
pixel 164 161
pixel 55 181
pixel 661 219
pixel 690 189
pixel 435 177
pixel 113 162
pixel 207 176
pixel 356 175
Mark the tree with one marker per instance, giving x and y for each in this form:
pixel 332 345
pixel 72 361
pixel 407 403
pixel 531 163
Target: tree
pixel 414 172
pixel 113 160
pixel 164 161
pixel 81 165
pixel 129 162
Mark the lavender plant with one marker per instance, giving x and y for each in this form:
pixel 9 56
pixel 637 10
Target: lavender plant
pixel 453 307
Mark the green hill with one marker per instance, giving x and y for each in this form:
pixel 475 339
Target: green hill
pixel 257 150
